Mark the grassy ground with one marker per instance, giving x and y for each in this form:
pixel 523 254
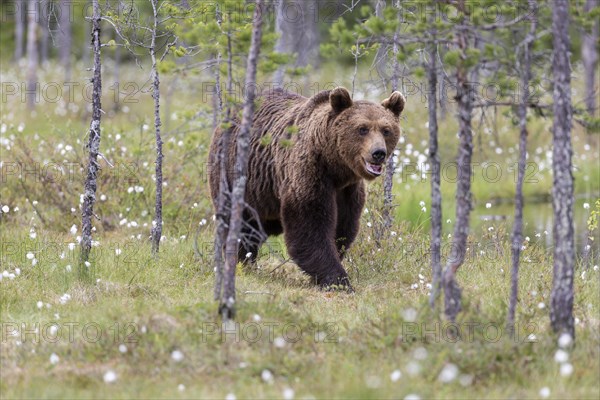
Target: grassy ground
pixel 151 323
pixel 318 344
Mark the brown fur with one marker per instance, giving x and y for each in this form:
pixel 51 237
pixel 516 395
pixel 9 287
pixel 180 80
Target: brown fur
pixel 306 170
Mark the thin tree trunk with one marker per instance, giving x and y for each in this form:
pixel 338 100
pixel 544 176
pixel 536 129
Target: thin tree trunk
pixel 220 216
pixel 32 53
pixel 227 306
pixel 20 8
pixel 381 57
pixel 65 36
pixel 561 311
pixel 86 49
pixel 224 199
pixel 589 56
pixel 434 159
pixel 517 233
pixel 296 24
pixel 44 20
pixel 443 101
pixel 116 75
pixel 464 103
pixel 388 179
pixel 280 45
pixel 157 226
pixel 93 147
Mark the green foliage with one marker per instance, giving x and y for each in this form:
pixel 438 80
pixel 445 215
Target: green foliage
pixel 166 66
pixel 594 217
pixel 452 58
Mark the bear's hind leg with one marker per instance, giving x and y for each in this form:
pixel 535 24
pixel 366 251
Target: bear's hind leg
pixel 252 237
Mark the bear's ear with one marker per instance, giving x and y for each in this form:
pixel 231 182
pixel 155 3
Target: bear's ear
pixel 339 98
pixel 395 103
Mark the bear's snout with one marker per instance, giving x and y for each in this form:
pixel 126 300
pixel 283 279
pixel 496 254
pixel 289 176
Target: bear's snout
pixel 378 155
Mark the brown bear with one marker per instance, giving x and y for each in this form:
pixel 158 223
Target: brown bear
pixel 308 159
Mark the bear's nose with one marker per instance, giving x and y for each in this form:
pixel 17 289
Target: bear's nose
pixel 378 155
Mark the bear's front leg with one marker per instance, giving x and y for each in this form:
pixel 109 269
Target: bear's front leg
pixel 350 202
pixel 309 226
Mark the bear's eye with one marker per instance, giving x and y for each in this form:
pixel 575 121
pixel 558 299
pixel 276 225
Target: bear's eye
pixel 363 131
pixel 386 132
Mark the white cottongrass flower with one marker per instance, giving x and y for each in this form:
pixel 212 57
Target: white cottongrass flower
pixel 40 304
pixel 541 305
pixel 412 396
pixel 448 373
pixel 545 392
pixel 64 299
pixel 409 315
pixel 177 356
pixel 118 252
pixel 73 229
pixel 5 209
pixel 230 396
pixel 32 233
pixel 68 268
pixel 54 359
pixel 488 205
pixel 532 338
pixel 395 375
pixel 256 318
pixel 413 368
pixel 422 203
pixel 30 256
pixel 110 376
pixel 279 342
pixel 267 376
pixel 561 356
pixel 566 369
pixel 420 353
pixel 586 206
pixel 122 349
pixel 181 387
pixel 288 393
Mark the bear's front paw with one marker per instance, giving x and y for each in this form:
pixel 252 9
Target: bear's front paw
pixel 336 284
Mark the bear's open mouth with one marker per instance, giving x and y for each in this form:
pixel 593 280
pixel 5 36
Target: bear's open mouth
pixel 375 169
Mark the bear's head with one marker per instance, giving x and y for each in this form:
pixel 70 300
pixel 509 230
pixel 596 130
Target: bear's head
pixel 366 133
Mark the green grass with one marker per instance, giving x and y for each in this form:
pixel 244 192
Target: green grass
pixel 350 344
